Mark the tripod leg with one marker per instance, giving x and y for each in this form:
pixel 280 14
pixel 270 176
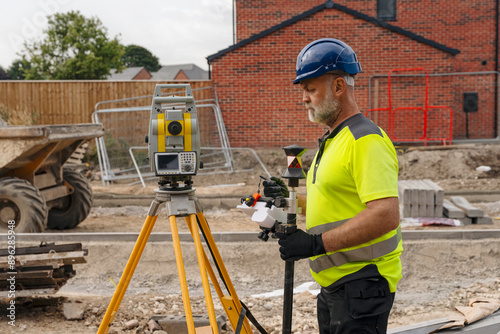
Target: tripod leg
pixel 182 275
pixel 232 304
pixel 127 274
pixel 200 253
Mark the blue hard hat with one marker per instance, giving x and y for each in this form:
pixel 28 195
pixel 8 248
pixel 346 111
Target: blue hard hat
pixel 325 55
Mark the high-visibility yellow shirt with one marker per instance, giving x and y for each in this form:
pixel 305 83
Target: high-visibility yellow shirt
pixel 355 164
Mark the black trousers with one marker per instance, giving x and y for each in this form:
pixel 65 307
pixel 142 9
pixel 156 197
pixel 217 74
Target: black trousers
pixel 357 307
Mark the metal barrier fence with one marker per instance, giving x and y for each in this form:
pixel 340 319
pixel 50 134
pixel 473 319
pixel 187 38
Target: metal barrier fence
pixel 423 107
pixel 418 123
pixel 123 154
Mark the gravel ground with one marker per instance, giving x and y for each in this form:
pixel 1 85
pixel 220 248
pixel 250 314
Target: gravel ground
pixel 438 274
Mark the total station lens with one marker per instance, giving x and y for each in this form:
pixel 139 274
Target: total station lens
pixel 174 128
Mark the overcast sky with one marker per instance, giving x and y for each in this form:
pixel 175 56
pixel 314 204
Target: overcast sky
pixel 176 31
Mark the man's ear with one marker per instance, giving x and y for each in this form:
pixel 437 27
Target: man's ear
pixel 339 86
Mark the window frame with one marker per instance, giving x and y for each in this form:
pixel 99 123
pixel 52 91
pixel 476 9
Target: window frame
pixel 382 6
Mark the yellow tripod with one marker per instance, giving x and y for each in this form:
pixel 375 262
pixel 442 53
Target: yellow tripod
pixel 182 203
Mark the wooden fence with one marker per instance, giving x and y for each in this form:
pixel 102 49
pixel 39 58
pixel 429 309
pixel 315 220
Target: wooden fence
pixel 69 102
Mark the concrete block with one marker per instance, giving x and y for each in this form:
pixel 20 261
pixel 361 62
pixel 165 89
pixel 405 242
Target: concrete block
pixel 466 220
pixel 429 210
pixel 73 311
pixel 452 211
pixel 404 193
pixel 414 210
pixel 438 191
pixel 404 210
pixel 153 326
pixel 177 323
pixel 420 196
pixel 438 210
pixel 429 192
pixel 470 210
pixel 482 220
pixel 131 324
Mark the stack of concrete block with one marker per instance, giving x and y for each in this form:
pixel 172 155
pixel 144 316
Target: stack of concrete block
pixel 458 207
pixel 420 198
pixel 424 198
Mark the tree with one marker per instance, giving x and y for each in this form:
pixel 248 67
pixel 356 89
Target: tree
pixel 74 48
pixel 17 71
pixel 3 74
pixel 138 56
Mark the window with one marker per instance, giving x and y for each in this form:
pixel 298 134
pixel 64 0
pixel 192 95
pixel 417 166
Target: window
pixel 386 10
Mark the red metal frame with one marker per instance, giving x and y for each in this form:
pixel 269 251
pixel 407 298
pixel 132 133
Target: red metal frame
pixel 392 112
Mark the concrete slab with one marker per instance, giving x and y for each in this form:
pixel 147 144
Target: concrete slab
pixel 470 210
pixel 450 210
pixel 177 323
pixel 482 220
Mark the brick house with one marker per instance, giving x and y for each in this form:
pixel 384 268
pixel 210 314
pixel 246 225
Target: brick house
pixel 262 108
pixel 180 72
pixel 130 73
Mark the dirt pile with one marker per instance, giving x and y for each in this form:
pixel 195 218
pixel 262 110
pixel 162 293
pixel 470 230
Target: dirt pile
pixel 453 168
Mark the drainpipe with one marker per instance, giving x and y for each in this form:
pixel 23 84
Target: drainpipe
pixel 234 21
pixel 209 71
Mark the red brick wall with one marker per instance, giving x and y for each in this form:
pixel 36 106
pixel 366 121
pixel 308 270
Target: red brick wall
pixel 143 75
pixel 254 16
pixel 262 108
pixel 181 76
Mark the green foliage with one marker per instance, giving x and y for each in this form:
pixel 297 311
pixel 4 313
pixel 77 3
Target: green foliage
pixel 74 47
pixel 17 71
pixel 138 56
pixel 3 74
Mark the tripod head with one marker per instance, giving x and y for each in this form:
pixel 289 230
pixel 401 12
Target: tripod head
pixel 175 183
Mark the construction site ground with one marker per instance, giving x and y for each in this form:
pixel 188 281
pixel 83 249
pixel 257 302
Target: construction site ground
pixel 437 273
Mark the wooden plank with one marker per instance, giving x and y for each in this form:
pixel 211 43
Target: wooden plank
pixel 37 274
pixel 470 210
pixel 55 260
pixel 52 247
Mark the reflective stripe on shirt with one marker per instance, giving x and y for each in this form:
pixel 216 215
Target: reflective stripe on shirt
pixel 366 253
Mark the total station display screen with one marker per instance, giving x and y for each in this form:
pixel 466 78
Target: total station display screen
pixel 167 162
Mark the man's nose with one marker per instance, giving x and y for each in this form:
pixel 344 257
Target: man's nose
pixel 305 97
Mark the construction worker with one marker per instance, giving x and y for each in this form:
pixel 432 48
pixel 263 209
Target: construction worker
pixel 353 239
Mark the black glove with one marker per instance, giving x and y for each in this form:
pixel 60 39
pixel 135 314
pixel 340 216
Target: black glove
pixel 300 245
pixel 275 187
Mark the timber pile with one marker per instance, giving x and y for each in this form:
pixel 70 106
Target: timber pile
pixel 38 270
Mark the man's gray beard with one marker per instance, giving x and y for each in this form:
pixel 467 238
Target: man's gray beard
pixel 326 112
